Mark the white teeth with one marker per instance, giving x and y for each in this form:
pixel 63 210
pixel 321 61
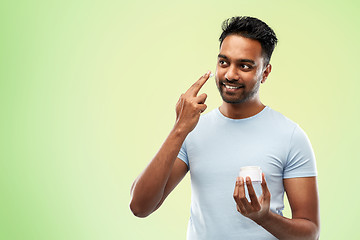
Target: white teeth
pixel 231 87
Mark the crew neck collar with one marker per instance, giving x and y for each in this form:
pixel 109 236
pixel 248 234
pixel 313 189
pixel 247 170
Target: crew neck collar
pixel 266 108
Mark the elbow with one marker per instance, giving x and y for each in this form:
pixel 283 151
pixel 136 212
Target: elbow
pixel 314 233
pixel 315 236
pixel 317 232
pixel 138 211
pixel 316 229
pixel 141 205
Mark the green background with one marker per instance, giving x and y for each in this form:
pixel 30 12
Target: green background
pixel 87 96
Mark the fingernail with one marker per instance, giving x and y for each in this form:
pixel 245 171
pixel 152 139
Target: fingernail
pixel 211 75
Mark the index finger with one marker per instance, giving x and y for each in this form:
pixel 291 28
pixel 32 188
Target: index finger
pixel 195 88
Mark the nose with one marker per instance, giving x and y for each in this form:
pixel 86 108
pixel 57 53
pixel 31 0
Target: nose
pixel 232 74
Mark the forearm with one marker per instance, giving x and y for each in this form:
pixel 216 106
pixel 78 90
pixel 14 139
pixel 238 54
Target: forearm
pixel 148 188
pixel 285 228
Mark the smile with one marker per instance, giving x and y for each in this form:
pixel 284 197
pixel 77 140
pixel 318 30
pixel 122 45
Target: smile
pixel 232 87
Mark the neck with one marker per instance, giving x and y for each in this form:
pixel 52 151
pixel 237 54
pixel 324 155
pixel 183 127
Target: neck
pixel 241 110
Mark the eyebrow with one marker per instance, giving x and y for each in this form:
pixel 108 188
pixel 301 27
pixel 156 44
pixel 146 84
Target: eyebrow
pixel 239 60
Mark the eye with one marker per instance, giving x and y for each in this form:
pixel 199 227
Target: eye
pixel 222 63
pixel 245 67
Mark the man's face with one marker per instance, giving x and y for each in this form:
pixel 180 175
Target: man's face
pixel 240 69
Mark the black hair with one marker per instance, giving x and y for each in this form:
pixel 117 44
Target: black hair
pixel 253 28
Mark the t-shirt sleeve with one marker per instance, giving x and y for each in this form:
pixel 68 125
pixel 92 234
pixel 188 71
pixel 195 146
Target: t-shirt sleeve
pixel 183 154
pixel 301 159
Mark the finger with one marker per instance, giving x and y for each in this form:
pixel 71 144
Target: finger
pixel 195 88
pixel 242 196
pixel 201 98
pixel 240 208
pixel 254 200
pixel 265 189
pixel 202 107
pixel 239 205
pixel 236 189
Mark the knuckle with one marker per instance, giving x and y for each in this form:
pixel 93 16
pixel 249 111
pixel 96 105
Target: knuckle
pixel 187 100
pixel 242 197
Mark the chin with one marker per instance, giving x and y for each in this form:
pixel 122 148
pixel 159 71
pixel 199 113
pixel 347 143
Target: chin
pixel 234 101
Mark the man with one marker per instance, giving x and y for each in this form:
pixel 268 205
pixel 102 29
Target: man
pixel 241 132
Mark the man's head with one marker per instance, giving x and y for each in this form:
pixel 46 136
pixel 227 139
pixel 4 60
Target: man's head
pixel 246 45
pixel 251 28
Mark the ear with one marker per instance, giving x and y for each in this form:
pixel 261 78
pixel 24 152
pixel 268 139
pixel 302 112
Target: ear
pixel 266 73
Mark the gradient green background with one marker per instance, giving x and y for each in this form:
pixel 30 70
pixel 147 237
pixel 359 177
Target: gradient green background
pixel 87 96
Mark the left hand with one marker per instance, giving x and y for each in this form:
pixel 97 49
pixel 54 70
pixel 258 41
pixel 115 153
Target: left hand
pixel 258 209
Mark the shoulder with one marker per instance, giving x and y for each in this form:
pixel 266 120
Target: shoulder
pixel 279 117
pixel 285 122
pixel 278 121
pixel 285 128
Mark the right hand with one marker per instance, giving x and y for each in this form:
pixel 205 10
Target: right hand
pixel 190 106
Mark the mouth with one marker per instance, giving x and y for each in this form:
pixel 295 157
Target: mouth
pixel 232 87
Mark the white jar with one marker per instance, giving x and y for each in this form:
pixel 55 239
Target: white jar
pixel 255 174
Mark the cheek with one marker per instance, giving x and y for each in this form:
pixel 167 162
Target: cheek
pixel 249 76
pixel 216 81
pixel 220 73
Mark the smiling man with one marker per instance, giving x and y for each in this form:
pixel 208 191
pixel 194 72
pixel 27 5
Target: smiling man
pixel 241 132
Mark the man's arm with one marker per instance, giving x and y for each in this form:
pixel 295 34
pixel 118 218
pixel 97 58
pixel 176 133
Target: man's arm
pixel 303 198
pixel 165 170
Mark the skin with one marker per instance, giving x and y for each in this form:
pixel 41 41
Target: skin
pixel 240 63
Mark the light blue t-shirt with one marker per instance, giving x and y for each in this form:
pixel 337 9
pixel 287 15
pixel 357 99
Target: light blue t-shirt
pixel 216 150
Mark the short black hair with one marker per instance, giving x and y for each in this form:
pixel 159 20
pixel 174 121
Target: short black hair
pixel 252 28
